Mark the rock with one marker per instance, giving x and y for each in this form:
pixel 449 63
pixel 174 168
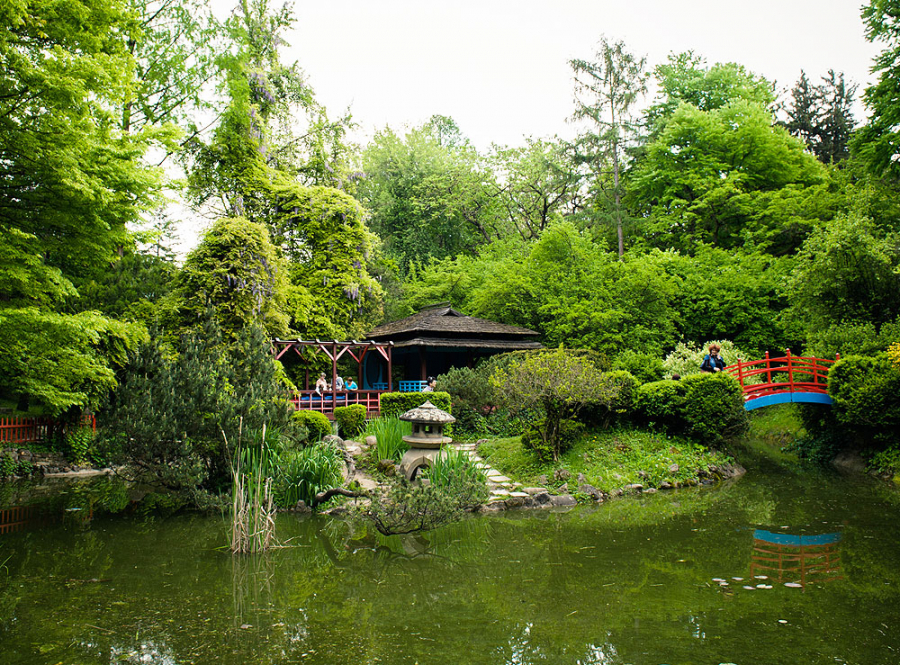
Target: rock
pixel 387 467
pixel 617 476
pixel 561 475
pixel 674 468
pixel 564 488
pixel 707 481
pixel 617 492
pixel 515 502
pixel 634 487
pixel 665 485
pixel 493 507
pixel 533 490
pixel 543 499
pixel 543 480
pixel 353 448
pixel 650 490
pixel 301 507
pixel 643 474
pixel 371 441
pixel 563 500
pixel 849 461
pixel 337 510
pixel 581 478
pixel 591 491
pixel 333 440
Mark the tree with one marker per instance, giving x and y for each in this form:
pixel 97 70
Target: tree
pixel 606 90
pixel 236 271
pixel 685 78
pixel 878 142
pixel 537 183
pixel 558 383
pixel 429 193
pixel 822 116
pixel 725 176
pixel 71 182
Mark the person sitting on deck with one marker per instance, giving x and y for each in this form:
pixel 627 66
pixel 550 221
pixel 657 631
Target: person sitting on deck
pixel 713 361
pixel 352 385
pixel 321 385
pixel 339 384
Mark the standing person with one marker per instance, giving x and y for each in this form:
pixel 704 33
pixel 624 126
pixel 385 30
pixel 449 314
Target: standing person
pixel 321 384
pixel 430 386
pixel 339 384
pixel 713 362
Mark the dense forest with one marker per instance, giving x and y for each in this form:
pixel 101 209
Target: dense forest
pixel 720 209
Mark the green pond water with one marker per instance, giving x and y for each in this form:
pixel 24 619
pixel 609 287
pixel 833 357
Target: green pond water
pixel 631 581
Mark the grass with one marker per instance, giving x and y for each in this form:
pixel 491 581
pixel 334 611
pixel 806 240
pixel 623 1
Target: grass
pixel 608 459
pixel 771 430
pixel 389 433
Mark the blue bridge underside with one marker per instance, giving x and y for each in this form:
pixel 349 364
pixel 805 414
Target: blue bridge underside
pixel 786 397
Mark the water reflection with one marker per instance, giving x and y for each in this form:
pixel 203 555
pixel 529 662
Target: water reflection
pixel 797 558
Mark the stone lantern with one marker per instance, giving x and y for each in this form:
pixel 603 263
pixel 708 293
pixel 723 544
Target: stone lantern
pixel 427 438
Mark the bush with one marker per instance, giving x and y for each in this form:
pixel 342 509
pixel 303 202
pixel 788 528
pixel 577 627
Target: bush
pixel 79 445
pixel 8 465
pixel 534 439
pixel 713 408
pixel 396 404
pixel 619 389
pixel 851 339
pixel 317 423
pixel 645 367
pixel 351 419
pixel 866 394
pixel 303 473
pixel 661 402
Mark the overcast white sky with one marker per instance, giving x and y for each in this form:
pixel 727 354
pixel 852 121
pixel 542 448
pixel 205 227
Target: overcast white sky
pixel 499 67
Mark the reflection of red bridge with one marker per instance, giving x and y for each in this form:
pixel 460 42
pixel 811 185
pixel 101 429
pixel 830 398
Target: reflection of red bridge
pixel 799 559
pixel 785 379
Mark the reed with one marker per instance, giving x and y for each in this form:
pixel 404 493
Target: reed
pixel 252 500
pixel 389 433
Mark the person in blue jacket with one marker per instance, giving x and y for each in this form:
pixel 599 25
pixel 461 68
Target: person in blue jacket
pixel 713 362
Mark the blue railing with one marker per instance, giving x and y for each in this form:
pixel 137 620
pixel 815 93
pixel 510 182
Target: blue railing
pixel 412 386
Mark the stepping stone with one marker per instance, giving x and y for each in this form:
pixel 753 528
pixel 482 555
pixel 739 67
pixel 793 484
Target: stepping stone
pixel 499 492
pixel 519 494
pixel 498 479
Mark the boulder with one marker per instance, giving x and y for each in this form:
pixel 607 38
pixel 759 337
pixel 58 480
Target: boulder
pixel 674 468
pixel 563 500
pixel 543 480
pixel 564 488
pixel 387 467
pixel 533 490
pixel 543 499
pixel 591 491
pixel 581 478
pixel 493 507
pixel 334 441
pixel 371 441
pixel 634 487
pixel 561 475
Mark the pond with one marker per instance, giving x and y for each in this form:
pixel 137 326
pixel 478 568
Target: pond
pixel 776 567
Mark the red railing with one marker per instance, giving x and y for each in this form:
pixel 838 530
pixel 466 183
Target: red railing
pixel 310 400
pixel 795 374
pixel 39 429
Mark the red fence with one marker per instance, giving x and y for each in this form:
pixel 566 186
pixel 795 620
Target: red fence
pixel 37 429
pixel 794 374
pixel 310 400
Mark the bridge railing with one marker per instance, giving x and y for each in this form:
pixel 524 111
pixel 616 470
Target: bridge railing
pixel 788 373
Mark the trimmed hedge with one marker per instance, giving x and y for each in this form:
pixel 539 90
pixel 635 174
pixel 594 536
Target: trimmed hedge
pixel 317 423
pixel 661 402
pixel 396 404
pixel 351 419
pixel 866 394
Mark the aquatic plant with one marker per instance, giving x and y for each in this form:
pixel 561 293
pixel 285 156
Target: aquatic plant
pixel 252 501
pixel 302 474
pixel 389 433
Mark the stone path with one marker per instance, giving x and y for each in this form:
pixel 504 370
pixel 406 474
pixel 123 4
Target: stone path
pixel 502 488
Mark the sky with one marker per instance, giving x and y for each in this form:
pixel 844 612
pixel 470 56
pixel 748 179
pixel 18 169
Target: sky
pixel 500 68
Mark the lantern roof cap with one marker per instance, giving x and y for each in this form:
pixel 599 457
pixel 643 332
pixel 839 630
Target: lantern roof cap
pixel 428 413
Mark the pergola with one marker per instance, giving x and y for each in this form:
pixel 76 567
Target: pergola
pixel 333 350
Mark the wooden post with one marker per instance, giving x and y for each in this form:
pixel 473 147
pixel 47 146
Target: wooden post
pixel 741 373
pixel 390 348
pixel 423 368
pixel 333 373
pixel 790 369
pixel 768 369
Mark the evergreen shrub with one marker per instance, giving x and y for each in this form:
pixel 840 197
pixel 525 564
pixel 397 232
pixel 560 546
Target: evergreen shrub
pixel 866 394
pixel 617 403
pixel 645 367
pixel 351 419
pixel 661 402
pixel 713 408
pixel 315 422
pixel 396 404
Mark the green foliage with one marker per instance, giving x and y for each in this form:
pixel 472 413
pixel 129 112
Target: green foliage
pixel 822 115
pixel 645 367
pixel 351 419
pixel 886 461
pixel 389 432
pixel 396 404
pixel 661 403
pixel 534 439
pixel 315 422
pixel 8 466
pixel 79 445
pixel 305 472
pixel 713 408
pixel 850 338
pixel 454 468
pixel 866 394
pixel 237 272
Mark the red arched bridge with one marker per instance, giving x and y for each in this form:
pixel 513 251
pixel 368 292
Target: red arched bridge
pixel 785 379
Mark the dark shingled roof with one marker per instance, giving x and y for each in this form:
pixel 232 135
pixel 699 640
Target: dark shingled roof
pixel 439 324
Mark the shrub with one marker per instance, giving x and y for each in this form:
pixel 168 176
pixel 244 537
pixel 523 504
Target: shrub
pixel 303 473
pixel 317 423
pixel 851 338
pixel 7 465
pixel 79 444
pixel 686 358
pixel 645 367
pixel 866 394
pixel 618 389
pixel 661 402
pixel 396 404
pixel 535 438
pixel 713 408
pixel 351 419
